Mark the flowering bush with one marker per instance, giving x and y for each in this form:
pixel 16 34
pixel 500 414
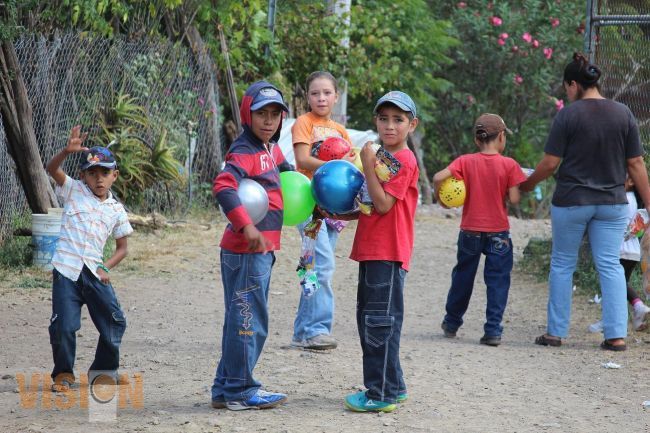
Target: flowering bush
pixel 510 62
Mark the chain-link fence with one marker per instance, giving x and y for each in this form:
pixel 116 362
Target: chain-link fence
pixel 74 78
pixel 618 40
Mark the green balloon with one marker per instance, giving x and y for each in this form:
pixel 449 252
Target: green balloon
pixel 298 200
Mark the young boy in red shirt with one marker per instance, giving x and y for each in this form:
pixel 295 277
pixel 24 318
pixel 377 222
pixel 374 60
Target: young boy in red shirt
pixel 484 228
pixel 382 245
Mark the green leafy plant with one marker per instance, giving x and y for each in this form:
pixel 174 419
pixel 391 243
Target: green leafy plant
pixel 141 165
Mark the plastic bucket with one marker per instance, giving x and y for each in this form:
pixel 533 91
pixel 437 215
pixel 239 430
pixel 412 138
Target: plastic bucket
pixel 45 233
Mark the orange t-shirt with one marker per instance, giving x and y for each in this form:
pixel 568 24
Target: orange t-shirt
pixel 310 129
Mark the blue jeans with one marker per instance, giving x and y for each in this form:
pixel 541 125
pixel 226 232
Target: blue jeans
pixel 245 280
pixel 605 225
pixel 67 299
pixel 497 248
pixel 380 313
pixel 315 313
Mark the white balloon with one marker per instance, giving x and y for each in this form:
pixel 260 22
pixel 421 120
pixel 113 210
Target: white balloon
pixel 254 198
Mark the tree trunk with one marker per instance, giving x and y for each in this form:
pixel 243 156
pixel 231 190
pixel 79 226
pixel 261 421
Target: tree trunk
pixel 425 186
pixel 21 140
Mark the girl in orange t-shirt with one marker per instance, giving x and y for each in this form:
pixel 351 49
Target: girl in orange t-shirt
pixel 314 318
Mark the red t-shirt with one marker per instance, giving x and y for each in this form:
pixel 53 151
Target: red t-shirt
pixel 390 236
pixel 487 179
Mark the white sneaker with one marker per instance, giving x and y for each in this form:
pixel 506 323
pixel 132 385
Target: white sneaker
pixel 596 327
pixel 639 316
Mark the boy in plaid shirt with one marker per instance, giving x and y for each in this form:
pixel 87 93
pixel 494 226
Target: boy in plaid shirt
pixel 80 276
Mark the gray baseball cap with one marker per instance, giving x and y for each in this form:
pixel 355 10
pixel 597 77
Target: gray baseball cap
pixel 400 99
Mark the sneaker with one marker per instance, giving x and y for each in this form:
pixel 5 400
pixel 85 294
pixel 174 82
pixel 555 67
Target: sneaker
pixel 319 342
pixel 490 340
pixel 402 397
pixel 639 316
pixel 596 327
pixel 449 333
pixel 359 402
pixel 260 400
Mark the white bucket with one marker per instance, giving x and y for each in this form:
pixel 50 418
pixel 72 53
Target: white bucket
pixel 45 233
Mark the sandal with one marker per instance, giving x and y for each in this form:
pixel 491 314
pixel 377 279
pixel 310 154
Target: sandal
pixel 545 340
pixel 608 345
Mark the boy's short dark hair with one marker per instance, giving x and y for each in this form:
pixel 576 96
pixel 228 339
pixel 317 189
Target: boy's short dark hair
pixel 97 157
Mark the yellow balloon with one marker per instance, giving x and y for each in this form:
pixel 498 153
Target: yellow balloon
pixel 357 159
pixel 452 192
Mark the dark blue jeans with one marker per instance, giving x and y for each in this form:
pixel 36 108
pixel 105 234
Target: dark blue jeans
pixel 497 248
pixel 245 280
pixel 380 312
pixel 67 299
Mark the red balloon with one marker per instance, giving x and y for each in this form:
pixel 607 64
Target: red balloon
pixel 333 148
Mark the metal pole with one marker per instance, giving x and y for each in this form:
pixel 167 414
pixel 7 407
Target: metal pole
pixel 342 9
pixel 190 157
pixel 271 25
pixel 590 36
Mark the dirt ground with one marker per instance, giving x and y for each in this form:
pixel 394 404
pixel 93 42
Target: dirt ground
pixel 170 289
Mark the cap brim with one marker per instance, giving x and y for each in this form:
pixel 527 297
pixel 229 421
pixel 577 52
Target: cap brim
pixel 86 166
pixel 263 104
pixel 398 104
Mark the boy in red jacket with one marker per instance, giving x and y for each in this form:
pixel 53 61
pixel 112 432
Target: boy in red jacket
pixel 247 249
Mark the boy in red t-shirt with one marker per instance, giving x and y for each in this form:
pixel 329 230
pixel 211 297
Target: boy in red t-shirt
pixel 382 245
pixel 484 228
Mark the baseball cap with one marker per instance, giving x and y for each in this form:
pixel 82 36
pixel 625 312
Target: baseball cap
pixel 97 156
pixel 401 99
pixel 490 124
pixel 266 96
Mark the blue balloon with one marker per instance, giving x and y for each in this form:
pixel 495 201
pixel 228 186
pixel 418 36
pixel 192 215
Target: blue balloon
pixel 335 185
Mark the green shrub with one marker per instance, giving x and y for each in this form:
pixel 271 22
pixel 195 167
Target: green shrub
pixel 16 251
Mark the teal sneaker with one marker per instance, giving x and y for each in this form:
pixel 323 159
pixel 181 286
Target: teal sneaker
pixel 360 403
pixel 402 397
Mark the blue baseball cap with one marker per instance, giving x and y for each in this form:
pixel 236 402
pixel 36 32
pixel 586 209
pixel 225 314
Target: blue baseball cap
pixel 266 96
pixel 97 157
pixel 401 99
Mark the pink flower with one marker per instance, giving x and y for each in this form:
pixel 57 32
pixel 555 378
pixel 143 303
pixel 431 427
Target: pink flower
pixel 501 42
pixel 535 43
pixel 527 37
pixel 503 36
pixel 554 22
pixel 518 79
pixel 201 101
pixel 470 99
pixel 461 5
pixel 559 104
pixel 548 53
pixel 514 49
pixel 496 21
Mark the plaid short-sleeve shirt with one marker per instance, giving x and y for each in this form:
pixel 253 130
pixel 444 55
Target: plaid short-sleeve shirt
pixel 87 223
